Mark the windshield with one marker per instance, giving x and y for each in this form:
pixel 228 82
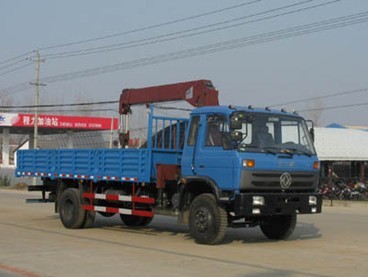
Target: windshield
pixel 273 134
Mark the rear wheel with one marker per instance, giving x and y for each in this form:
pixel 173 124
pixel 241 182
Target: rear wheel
pixel 72 214
pixel 278 227
pixel 207 220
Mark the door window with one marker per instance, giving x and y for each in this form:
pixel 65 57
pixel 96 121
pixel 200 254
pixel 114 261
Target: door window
pixel 215 130
pixel 193 130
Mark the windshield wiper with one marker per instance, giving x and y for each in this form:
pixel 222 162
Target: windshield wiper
pixel 287 151
pixel 278 150
pixel 305 152
pixel 271 149
pixel 298 151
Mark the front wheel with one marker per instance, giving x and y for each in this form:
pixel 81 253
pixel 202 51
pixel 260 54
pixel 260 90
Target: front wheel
pixel 207 220
pixel 278 227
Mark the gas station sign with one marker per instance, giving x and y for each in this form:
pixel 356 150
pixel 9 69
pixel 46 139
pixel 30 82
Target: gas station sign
pixel 58 121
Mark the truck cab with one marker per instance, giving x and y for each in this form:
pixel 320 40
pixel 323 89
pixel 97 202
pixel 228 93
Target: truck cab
pixel 259 164
pixel 237 148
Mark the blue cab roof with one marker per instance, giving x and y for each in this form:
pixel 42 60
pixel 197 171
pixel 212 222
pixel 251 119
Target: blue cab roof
pixel 230 109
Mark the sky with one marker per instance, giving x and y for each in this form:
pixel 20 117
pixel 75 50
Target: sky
pixel 304 55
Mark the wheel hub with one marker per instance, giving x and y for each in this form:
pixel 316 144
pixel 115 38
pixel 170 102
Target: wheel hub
pixel 201 220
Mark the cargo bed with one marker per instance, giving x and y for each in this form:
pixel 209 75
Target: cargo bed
pixel 89 164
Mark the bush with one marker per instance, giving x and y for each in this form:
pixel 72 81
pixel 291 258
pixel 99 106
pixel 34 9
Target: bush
pixel 5 181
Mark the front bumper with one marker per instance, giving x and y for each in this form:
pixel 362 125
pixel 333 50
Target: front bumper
pixel 277 203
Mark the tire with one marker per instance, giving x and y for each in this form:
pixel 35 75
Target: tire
pixel 135 221
pixel 278 227
pixel 72 214
pixel 207 220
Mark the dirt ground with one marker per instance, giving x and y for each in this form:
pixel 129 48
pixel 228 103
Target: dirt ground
pixel 34 243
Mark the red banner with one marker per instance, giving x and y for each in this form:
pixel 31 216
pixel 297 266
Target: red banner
pixel 63 122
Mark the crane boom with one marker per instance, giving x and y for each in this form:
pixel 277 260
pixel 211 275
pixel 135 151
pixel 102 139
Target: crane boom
pixel 198 93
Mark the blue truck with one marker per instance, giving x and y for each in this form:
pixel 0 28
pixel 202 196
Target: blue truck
pixel 224 166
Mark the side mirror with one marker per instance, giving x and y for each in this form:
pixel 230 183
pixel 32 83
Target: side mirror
pixel 311 131
pixel 236 136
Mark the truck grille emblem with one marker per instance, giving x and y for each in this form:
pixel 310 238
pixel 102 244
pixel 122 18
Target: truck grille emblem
pixel 285 180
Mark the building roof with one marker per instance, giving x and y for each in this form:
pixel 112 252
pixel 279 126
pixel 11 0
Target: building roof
pixel 341 144
pixel 337 125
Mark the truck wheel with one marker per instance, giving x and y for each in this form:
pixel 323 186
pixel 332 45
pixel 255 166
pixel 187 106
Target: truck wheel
pixel 135 221
pixel 279 226
pixel 207 220
pixel 72 214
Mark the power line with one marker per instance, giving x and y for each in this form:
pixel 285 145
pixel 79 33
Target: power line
pixel 159 107
pixel 151 26
pixel 218 47
pixel 24 86
pixel 15 69
pixel 179 34
pixel 60 105
pixel 335 107
pixel 16 57
pixel 71 110
pixel 12 64
pixel 20 87
pixel 290 32
pixel 12 67
pixel 321 97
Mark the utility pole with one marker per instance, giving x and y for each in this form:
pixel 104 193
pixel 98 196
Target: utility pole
pixel 111 131
pixel 37 85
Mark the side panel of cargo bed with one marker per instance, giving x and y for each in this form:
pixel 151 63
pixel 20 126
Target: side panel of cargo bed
pixel 130 165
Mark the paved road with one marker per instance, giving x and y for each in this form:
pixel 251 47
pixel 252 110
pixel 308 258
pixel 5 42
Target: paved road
pixel 33 243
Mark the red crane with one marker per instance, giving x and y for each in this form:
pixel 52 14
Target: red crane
pixel 198 93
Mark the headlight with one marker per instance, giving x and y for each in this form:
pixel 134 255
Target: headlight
pixel 258 201
pixel 312 200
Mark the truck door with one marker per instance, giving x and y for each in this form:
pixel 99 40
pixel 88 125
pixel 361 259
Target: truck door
pixel 214 157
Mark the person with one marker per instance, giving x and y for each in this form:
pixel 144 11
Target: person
pixel 263 137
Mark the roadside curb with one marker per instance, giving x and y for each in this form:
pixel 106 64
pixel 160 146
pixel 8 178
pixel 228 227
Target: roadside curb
pixel 342 203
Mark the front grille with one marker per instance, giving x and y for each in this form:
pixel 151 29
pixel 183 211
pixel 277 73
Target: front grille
pixel 277 184
pixel 278 174
pixel 271 180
